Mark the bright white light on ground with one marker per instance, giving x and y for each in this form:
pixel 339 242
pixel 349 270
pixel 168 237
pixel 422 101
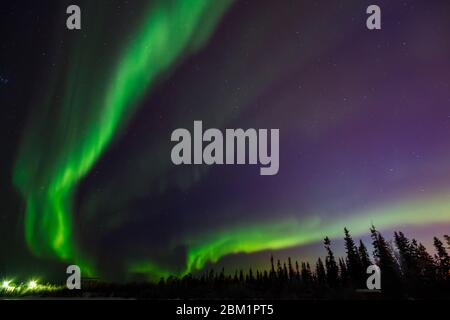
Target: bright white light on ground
pixel 32 284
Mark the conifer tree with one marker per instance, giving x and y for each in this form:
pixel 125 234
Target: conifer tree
pixel 331 265
pixel 272 269
pixel 426 265
pixel 384 257
pixel 297 270
pixel 309 271
pixel 364 256
pixel 343 272
pixel 447 239
pixel 353 260
pixel 221 276
pixel 442 258
pixel 306 276
pixel 407 257
pixel 250 275
pixel 320 272
pixel 279 270
pixel 241 276
pixel 285 271
pixel 290 269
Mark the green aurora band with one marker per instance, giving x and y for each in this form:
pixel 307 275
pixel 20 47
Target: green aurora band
pixel 291 231
pixel 55 156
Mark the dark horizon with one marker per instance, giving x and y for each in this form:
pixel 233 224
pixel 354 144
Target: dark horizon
pixel 406 269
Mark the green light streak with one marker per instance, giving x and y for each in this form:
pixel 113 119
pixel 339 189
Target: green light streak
pixel 153 271
pixel 56 154
pixel 289 232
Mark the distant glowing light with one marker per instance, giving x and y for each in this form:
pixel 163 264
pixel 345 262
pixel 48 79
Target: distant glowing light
pixel 32 284
pixel 6 284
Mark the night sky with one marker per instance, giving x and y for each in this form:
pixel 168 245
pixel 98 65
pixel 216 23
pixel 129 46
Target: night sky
pixel 86 119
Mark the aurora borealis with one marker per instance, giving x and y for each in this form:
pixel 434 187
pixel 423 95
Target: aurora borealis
pixel 364 121
pixel 167 32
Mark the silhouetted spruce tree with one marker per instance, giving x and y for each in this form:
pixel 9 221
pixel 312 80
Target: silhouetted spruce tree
pixel 442 258
pixel 306 274
pixel 343 272
pixel 384 257
pixel 272 268
pixel 285 271
pixel 250 275
pixel 265 276
pixel 364 256
pixel 290 269
pixel 447 239
pixel 309 270
pixel 330 265
pixel 407 258
pixel 222 274
pixel 303 270
pixel 279 270
pixel 415 251
pixel 426 265
pixel 320 272
pixel 297 271
pixel 353 260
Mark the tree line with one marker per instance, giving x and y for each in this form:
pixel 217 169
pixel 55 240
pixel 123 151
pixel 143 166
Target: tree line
pixel 408 270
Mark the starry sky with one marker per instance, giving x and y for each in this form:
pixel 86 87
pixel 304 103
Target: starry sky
pixel 86 119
